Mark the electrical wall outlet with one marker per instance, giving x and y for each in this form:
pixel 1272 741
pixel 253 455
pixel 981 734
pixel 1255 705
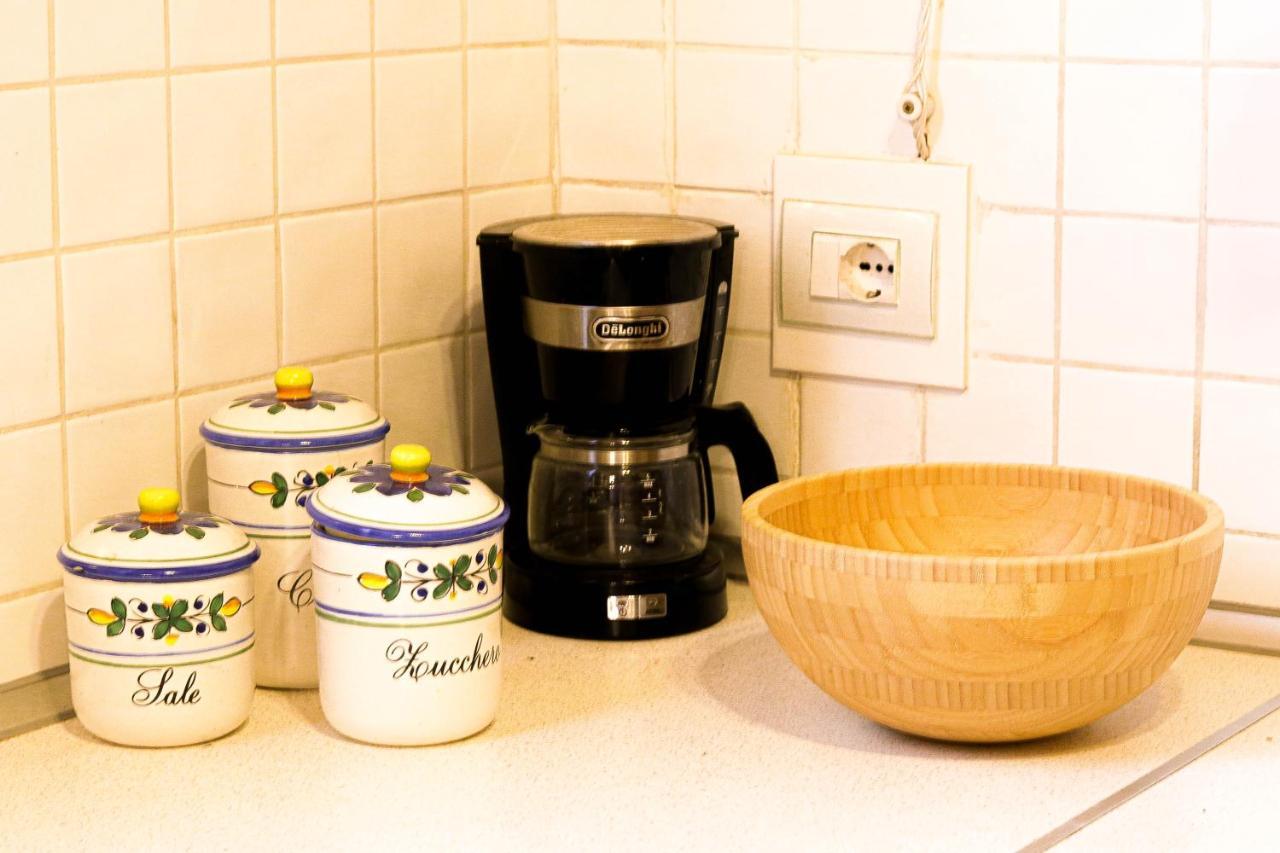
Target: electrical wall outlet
pixel 871 262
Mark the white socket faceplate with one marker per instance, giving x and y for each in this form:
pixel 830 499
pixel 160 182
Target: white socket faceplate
pixel 915 213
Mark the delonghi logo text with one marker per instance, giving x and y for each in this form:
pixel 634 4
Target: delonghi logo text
pixel 631 328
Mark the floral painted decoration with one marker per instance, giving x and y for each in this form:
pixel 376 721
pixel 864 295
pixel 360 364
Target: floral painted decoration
pixel 465 572
pixel 274 405
pixel 167 619
pixel 440 481
pixel 304 483
pixel 193 524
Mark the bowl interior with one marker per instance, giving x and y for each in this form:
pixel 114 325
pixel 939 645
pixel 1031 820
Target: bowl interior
pixel 990 511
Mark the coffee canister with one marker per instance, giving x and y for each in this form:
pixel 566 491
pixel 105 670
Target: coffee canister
pixel 160 624
pixel 408 575
pixel 267 454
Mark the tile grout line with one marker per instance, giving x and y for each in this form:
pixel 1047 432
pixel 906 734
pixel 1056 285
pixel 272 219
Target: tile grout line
pixel 671 106
pixel 468 442
pixel 275 186
pixel 58 295
pixel 171 245
pixel 373 211
pixel 1058 200
pixel 1202 249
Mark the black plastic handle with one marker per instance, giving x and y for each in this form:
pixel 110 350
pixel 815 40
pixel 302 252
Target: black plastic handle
pixel 732 426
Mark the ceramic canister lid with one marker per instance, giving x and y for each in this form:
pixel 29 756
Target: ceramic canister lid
pixel 158 543
pixel 294 418
pixel 408 500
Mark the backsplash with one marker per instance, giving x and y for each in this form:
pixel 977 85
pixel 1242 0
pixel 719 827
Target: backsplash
pixel 193 192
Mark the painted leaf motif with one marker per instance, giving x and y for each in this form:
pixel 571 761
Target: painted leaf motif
pixel 182 625
pixel 442 572
pixel 116 628
pixel 363 487
pixel 461 565
pixel 161 628
pixel 276 409
pixel 100 617
pixel 100 528
pixel 262 487
pixel 392 590
pixel 328 406
pixel 322 478
pixel 415 495
pixel 278 499
pixel 393 570
pixel 160 609
pixel 195 532
pixel 493 576
pixel 459 489
pixel 371 580
pixel 464 584
pixel 218 623
pixel 139 533
pixel 493 554
pixel 232 607
pixel 278 481
pixel 118 608
pixel 216 604
pixel 442 589
pixel 179 607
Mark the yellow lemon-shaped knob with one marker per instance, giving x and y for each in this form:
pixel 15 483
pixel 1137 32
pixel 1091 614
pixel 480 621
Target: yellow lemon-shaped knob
pixel 409 463
pixel 293 383
pixel 156 505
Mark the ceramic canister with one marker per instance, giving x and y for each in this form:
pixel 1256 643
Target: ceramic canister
pixel 408 574
pixel 159 607
pixel 267 453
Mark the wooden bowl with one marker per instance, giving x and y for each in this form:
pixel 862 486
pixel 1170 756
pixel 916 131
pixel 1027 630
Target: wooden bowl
pixel 981 602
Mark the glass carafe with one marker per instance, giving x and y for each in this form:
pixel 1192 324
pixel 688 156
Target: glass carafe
pixel 617 502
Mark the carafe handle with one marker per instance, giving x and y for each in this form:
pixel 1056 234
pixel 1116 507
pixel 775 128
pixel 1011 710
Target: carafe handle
pixel 732 426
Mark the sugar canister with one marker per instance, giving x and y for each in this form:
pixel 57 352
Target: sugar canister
pixel 160 632
pixel 408 562
pixel 267 455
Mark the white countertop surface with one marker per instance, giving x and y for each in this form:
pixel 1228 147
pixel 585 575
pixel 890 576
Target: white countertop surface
pixel 708 741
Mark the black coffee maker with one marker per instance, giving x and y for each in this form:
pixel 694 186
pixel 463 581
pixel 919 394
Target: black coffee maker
pixel 605 334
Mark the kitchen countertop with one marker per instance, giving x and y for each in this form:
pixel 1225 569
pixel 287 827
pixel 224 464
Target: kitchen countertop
pixel 712 740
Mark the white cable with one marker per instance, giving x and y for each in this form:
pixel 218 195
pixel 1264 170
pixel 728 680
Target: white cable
pixel 916 104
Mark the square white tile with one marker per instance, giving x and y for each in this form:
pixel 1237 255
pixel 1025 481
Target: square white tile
pixel 437 419
pixel 1239 454
pixel 752 23
pixel 613 114
pixel 496 21
pixel 35 629
pixel 26 201
pixel 219 32
pixel 193 410
pixel 857 425
pixel 108 36
pixel 1128 422
pixel 32 456
pixel 29 337
pixel 489 208
pixel 112 160
pixel 416 24
pixel 599 198
pixel 1242 312
pixel 734 112
pixel 113 455
pixel 322 27
pixel 508 115
pixel 226 305
pixel 1005 415
pixel 728 504
pixel 1003 118
pixel 1244 30
pixel 118 324
pixel 1244 178
pixel 419 116
pixel 483 449
pixel 1133 137
pixel 750 298
pixel 354 376
pixel 327 266
pixel 746 377
pixel 222 160
pixel 1135 29
pixel 1250 571
pixel 865 26
pixel 325 145
pixel 24 40
pixel 422 291
pixel 1012 289
pixel 866 123
pixel 1129 292
pixel 1000 26
pixel 631 20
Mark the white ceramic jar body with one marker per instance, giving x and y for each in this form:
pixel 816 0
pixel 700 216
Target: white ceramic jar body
pixel 264 491
pixel 409 637
pixel 161 663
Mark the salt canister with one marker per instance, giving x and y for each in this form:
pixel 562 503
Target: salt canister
pixel 267 454
pixel 408 574
pixel 160 624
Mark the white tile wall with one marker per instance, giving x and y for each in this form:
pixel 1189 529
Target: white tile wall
pixel 1135 29
pixel 1239 454
pixel 605 198
pixel 325 144
pixel 766 23
pixel 326 264
pixel 1242 314
pixel 613 114
pixel 508 115
pixel 25 171
pixel 106 36
pixel 1006 415
pixel 421 292
pixel 321 27
pixel 29 337
pixel 858 424
pixel 1243 30
pixel 1244 178
pixel 219 32
pixel 24 41
pixel 626 20
pixel 1000 27
pixel 492 21
pixel 419 110
pixel 416 24
pixel 1011 308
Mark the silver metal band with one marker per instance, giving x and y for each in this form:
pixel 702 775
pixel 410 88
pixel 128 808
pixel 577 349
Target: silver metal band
pixel 604 328
pixel 613 456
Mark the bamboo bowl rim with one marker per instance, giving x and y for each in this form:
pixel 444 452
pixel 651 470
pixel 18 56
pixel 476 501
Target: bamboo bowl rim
pixel 987 474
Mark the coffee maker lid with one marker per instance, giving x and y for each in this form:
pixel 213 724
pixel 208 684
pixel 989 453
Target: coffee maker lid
pixel 616 231
pixel 411 499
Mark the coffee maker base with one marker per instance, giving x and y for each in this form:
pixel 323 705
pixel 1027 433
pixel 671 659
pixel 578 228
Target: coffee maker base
pixel 616 604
